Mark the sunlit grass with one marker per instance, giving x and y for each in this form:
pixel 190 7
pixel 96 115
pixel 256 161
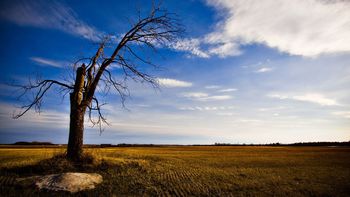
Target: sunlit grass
pixel 11 157
pixel 210 170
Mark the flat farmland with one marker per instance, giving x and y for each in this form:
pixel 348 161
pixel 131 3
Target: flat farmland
pixel 191 170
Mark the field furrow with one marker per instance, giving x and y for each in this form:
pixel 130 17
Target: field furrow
pixel 193 171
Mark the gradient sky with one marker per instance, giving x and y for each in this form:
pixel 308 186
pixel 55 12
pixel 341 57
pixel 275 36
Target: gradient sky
pixel 246 71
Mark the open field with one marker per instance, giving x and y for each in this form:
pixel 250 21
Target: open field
pixel 196 170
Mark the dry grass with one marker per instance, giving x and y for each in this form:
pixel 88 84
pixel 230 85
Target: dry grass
pixel 196 171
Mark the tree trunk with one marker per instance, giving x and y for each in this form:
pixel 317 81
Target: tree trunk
pixel 77 112
pixel 76 133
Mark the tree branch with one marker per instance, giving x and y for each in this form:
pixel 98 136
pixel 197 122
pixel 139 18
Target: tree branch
pixel 42 87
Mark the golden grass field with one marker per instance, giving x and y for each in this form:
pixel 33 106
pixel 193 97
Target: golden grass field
pixel 196 170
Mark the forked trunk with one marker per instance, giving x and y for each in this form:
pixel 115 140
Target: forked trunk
pixel 77 112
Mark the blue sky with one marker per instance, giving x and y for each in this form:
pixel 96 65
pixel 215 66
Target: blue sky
pixel 244 72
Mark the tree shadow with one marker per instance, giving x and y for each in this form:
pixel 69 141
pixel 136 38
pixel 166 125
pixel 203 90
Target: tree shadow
pixel 57 164
pixel 127 178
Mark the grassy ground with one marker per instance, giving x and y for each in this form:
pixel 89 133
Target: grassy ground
pixel 192 171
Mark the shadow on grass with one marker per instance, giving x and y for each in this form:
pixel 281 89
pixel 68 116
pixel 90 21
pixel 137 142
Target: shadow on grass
pixel 119 178
pixel 57 164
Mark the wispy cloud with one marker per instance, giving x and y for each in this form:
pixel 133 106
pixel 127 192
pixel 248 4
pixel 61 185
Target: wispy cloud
pixel 212 87
pixel 48 62
pixel 207 108
pixel 217 98
pixel 225 114
pixel 195 47
pixel 272 108
pixel 49 14
pixel 308 97
pixel 173 83
pixel 31 118
pixel 264 70
pixel 301 28
pixel 316 98
pixel 305 28
pixel 195 95
pixel 200 96
pixel 344 114
pixel 190 45
pixel 279 96
pixel 228 90
pixel 223 49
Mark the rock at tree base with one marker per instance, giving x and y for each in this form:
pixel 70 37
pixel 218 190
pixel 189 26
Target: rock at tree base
pixel 71 182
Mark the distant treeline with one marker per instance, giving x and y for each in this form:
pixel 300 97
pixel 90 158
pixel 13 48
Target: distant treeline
pixel 216 144
pixel 321 144
pixel 292 144
pixel 33 143
pixel 131 145
pixel 229 144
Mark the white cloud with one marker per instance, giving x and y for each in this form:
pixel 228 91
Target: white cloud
pixel 278 96
pixel 302 27
pixel 201 96
pixel 187 108
pixel 278 108
pixel 308 97
pixel 264 70
pixel 53 15
pixel 228 90
pixel 216 98
pixel 307 28
pixel 47 62
pixel 212 87
pixel 195 47
pixel 207 108
pixel 316 98
pixel 143 105
pixel 251 121
pixel 225 114
pixel 195 95
pixel 45 119
pixel 225 49
pixel 344 114
pixel 173 83
pixel 189 45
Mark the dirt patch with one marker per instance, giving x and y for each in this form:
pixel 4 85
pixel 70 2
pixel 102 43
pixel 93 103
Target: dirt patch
pixel 71 182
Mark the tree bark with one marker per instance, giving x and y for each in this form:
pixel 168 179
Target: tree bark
pixel 77 113
pixel 76 133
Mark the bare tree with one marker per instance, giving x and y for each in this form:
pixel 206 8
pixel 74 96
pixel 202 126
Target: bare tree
pixel 159 27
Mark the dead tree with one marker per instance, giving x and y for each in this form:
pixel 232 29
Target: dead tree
pixel 158 28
